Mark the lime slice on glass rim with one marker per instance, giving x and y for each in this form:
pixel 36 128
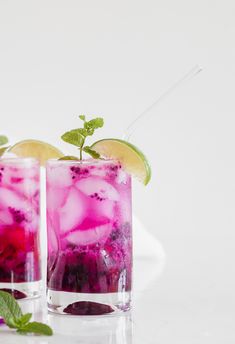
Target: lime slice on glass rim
pixel 35 149
pixel 132 159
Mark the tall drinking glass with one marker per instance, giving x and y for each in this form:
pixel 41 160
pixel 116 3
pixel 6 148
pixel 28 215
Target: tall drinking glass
pixel 89 222
pixel 20 272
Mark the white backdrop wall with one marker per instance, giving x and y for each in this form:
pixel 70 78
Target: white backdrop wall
pixel 62 58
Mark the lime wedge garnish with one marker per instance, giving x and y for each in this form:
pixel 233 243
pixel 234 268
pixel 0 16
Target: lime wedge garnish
pixel 132 159
pixel 35 149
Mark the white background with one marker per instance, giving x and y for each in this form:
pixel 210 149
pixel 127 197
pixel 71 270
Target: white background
pixel 110 58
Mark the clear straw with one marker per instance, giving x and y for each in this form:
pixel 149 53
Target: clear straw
pixel 133 126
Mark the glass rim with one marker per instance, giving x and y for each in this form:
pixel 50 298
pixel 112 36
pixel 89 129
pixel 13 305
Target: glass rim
pixel 84 162
pixel 18 160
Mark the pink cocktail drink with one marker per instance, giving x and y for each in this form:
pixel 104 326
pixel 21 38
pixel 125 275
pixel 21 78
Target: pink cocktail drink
pixel 20 271
pixel 89 237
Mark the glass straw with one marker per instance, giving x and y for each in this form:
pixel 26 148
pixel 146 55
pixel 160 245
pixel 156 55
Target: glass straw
pixel 133 126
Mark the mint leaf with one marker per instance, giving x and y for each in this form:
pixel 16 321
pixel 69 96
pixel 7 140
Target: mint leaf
pixel 82 117
pixel 24 319
pixel 82 131
pixel 89 131
pixel 73 137
pixel 9 309
pixel 3 140
pixel 36 327
pixel 69 157
pixel 3 150
pixel 93 124
pixel 90 151
pixel 11 322
pixel 96 123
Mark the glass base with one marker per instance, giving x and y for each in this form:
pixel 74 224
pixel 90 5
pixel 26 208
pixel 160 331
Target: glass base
pixel 68 303
pixel 25 290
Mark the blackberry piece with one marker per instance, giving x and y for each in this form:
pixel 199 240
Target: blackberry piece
pixel 15 293
pixel 18 216
pixel 88 308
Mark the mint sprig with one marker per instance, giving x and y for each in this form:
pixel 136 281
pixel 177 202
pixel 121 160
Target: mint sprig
pixel 13 317
pixel 77 137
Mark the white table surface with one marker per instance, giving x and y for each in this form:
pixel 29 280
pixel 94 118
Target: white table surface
pixel 185 296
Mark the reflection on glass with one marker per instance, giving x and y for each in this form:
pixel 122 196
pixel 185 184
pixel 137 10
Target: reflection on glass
pixel 94 330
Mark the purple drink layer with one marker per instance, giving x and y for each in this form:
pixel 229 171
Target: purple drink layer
pixel 89 227
pixel 19 221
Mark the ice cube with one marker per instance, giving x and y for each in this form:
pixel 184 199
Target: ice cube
pixel 91 185
pixel 16 179
pixel 98 172
pixel 73 211
pixel 59 176
pixel 103 208
pixel 32 172
pixel 122 177
pixel 5 217
pixel 6 176
pixel 52 238
pixel 31 187
pixel 32 222
pixel 22 172
pixel 90 236
pixel 9 198
pixel 56 197
pixel 27 188
pixel 125 208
